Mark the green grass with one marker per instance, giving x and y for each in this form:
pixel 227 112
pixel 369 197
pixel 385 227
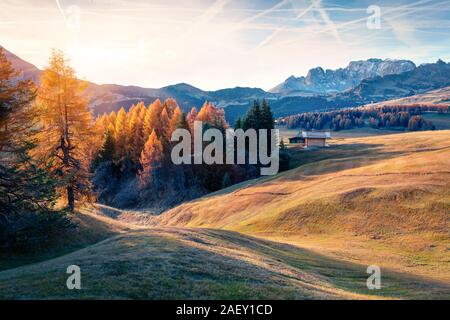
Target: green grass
pixel 386 194
pixel 175 263
pixel 89 229
pixel 327 209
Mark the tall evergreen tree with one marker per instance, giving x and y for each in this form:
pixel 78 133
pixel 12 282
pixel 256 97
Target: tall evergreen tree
pixel 267 119
pixel 107 150
pixel 182 122
pixel 24 186
pixel 238 124
pixel 253 117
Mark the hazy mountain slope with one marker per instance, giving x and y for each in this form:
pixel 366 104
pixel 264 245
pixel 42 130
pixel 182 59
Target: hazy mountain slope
pixel 437 97
pixel 319 81
pixel 28 70
pixel 236 101
pixel 111 97
pixel 425 78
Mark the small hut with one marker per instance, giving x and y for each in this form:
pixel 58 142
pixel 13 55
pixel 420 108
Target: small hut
pixel 316 138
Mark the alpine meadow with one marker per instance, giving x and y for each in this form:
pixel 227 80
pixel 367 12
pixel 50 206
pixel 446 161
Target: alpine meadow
pixel 314 163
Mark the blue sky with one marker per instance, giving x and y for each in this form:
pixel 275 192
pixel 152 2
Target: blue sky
pixel 221 43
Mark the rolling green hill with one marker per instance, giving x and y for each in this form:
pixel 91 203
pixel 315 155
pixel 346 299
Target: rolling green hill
pixel 308 233
pixel 172 263
pixel 382 199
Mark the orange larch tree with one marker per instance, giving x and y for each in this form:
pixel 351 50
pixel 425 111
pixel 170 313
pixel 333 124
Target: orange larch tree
pixel 68 132
pixel 151 158
pixel 120 137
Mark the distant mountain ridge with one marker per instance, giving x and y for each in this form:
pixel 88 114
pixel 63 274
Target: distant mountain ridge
pixel 111 97
pixel 320 81
pixel 27 70
pixel 236 101
pixel 426 77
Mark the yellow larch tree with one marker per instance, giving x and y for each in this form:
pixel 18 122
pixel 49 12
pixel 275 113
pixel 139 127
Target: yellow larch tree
pixel 135 136
pixel 170 104
pixel 163 124
pixel 152 118
pixel 151 158
pixel 212 115
pixel 112 118
pixel 120 134
pixel 68 132
pixel 190 118
pixel 174 121
pixel 102 121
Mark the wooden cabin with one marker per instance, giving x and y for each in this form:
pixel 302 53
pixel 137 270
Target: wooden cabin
pixel 296 139
pixel 311 138
pixel 316 138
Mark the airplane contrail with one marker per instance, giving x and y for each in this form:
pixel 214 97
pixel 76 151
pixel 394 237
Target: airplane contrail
pixel 259 15
pixel 281 29
pixel 350 25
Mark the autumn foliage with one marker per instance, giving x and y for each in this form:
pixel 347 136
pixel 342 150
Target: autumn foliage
pixel 66 128
pixel 151 158
pixel 121 159
pixel 136 151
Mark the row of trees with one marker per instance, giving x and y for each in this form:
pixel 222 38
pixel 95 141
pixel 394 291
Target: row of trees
pixel 409 117
pixel 134 166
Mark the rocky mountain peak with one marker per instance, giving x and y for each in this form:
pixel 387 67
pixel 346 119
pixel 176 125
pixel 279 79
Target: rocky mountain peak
pixel 318 81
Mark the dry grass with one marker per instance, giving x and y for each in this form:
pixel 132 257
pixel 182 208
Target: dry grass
pixel 171 263
pixel 439 98
pixel 90 229
pixel 388 195
pixel 375 200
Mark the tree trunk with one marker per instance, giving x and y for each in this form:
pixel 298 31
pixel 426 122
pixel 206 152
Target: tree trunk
pixel 70 198
pixel 66 164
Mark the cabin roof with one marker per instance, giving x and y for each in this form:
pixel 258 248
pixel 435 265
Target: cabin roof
pixel 316 135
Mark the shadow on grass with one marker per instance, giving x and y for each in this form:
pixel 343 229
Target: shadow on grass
pixel 88 231
pixel 344 275
pixel 344 156
pixel 171 263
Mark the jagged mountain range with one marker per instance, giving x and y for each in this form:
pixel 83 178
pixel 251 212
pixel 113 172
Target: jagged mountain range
pixel 422 79
pixel 320 81
pixel 359 83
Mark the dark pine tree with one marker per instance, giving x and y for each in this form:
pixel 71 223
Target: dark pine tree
pixel 238 124
pixel 26 190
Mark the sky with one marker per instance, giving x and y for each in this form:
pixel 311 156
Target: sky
pixel 214 44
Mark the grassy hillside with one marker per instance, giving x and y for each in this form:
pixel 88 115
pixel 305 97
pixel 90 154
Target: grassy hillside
pixel 170 263
pixel 383 170
pixel 307 233
pixel 388 195
pixel 439 97
pixel 89 228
